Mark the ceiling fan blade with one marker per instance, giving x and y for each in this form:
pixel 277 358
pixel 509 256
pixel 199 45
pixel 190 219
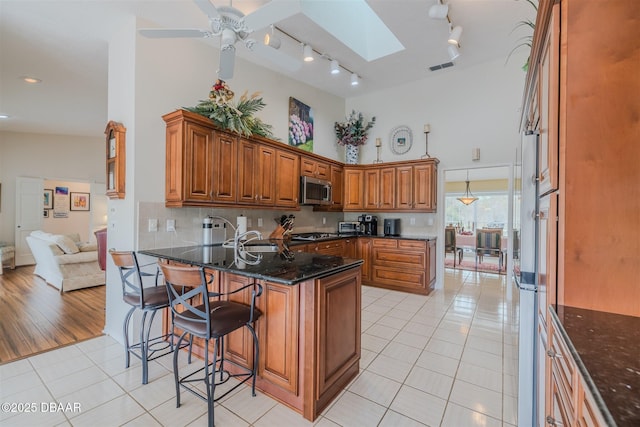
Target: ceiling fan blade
pixel 281 59
pixel 208 8
pixel 159 33
pixel 272 12
pixel 227 62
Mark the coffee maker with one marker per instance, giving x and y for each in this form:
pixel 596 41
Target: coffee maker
pixel 369 224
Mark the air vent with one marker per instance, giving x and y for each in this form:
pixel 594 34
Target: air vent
pixel 441 66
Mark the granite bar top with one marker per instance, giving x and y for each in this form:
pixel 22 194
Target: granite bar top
pixel 280 267
pixel 606 347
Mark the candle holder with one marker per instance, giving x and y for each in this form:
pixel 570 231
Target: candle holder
pixel 426 143
pixel 378 147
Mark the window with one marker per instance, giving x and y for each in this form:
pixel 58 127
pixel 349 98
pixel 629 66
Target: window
pixel 490 210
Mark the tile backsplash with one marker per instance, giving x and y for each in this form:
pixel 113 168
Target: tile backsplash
pixel 188 223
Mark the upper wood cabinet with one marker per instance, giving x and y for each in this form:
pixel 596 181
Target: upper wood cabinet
pixel 115 155
pixel 288 179
pixel 395 187
pixel 353 199
pixel 206 166
pixel 314 168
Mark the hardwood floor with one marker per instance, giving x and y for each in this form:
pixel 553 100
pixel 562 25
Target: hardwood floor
pixel 35 317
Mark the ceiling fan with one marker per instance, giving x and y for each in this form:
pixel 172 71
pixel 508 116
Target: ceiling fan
pixel 232 26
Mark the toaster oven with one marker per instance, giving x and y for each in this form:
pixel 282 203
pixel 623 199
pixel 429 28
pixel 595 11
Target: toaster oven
pixel 349 227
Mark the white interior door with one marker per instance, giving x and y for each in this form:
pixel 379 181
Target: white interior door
pixel 29 207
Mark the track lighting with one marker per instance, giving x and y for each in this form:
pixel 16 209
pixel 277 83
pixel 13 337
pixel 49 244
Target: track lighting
pixel 354 79
pixel 454 35
pixel 439 11
pixel 272 40
pixel 335 67
pixel 453 52
pixel 307 53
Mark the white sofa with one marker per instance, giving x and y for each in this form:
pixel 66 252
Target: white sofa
pixel 64 262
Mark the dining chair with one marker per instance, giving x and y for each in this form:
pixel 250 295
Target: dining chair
pixel 488 243
pixel 450 245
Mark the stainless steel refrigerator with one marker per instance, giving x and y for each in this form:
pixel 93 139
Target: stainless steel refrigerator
pixel 525 228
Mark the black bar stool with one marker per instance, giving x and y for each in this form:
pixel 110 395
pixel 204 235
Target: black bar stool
pixel 148 299
pixel 212 319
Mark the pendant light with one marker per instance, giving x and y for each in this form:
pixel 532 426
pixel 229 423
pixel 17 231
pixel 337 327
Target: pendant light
pixel 468 197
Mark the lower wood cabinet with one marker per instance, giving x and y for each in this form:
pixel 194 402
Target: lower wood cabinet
pixel 399 264
pixel 308 333
pixel 569 401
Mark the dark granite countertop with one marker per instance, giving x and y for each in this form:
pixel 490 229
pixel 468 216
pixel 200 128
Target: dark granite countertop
pixel 288 269
pixel 606 348
pixel 350 236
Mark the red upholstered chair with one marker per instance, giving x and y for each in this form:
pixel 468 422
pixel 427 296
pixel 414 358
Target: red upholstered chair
pixel 101 239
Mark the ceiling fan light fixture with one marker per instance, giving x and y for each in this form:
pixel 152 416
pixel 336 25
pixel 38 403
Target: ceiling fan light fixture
pixel 439 11
pixel 335 67
pixel 454 53
pixel 454 35
pixel 307 53
pixel 355 80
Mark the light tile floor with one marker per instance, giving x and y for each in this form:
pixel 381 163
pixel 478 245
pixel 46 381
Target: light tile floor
pixel 447 359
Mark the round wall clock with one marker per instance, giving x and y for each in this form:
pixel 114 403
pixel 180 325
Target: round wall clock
pixel 401 139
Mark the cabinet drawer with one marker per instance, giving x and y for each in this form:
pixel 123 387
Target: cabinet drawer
pixel 401 259
pixel 559 414
pixel 590 415
pixel 402 278
pixel 385 243
pixel 563 362
pixel 412 244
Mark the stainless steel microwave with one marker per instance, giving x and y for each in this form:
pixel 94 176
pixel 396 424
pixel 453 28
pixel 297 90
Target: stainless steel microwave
pixel 314 191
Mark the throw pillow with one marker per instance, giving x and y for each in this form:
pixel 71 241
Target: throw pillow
pixel 87 247
pixel 66 244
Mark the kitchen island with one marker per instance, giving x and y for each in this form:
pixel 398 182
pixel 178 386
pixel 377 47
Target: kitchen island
pixel 309 333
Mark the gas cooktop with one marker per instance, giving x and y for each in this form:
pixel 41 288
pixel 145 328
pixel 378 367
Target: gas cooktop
pixel 313 236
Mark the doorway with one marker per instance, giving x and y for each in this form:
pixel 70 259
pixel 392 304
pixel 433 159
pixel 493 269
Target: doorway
pixel 491 210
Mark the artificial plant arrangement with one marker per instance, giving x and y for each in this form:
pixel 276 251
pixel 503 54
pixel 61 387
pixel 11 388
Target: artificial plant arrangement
pixel 236 117
pixel 354 130
pixel 525 41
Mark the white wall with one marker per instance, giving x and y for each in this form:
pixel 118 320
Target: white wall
pixel 61 157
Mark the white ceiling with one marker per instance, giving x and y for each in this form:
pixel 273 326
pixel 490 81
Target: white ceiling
pixel 64 43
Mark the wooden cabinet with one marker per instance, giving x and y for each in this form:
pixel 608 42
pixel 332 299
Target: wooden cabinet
pixel 403 187
pixel 314 168
pixel 350 247
pixel 364 251
pixel 330 247
pixel 570 402
pixel 401 264
pixel 353 189
pixel 337 187
pixel 416 188
pixel 588 220
pixel 379 188
pixel 209 167
pixel 287 179
pixel 225 171
pixel 256 173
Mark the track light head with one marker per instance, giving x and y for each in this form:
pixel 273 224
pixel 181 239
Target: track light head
pixel 454 35
pixel 272 40
pixel 335 67
pixel 354 79
pixel 438 11
pixel 307 53
pixel 454 53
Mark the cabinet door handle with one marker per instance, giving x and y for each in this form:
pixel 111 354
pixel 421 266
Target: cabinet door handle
pixel 552 421
pixel 552 354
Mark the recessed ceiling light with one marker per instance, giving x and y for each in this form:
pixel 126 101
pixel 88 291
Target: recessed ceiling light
pixel 31 80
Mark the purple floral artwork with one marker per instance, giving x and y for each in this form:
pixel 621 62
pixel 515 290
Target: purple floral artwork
pixel 300 125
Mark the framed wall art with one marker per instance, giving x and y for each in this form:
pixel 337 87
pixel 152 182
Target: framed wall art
pixel 80 202
pixel 300 125
pixel 48 198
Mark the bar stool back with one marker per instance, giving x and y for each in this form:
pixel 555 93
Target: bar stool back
pixel 210 316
